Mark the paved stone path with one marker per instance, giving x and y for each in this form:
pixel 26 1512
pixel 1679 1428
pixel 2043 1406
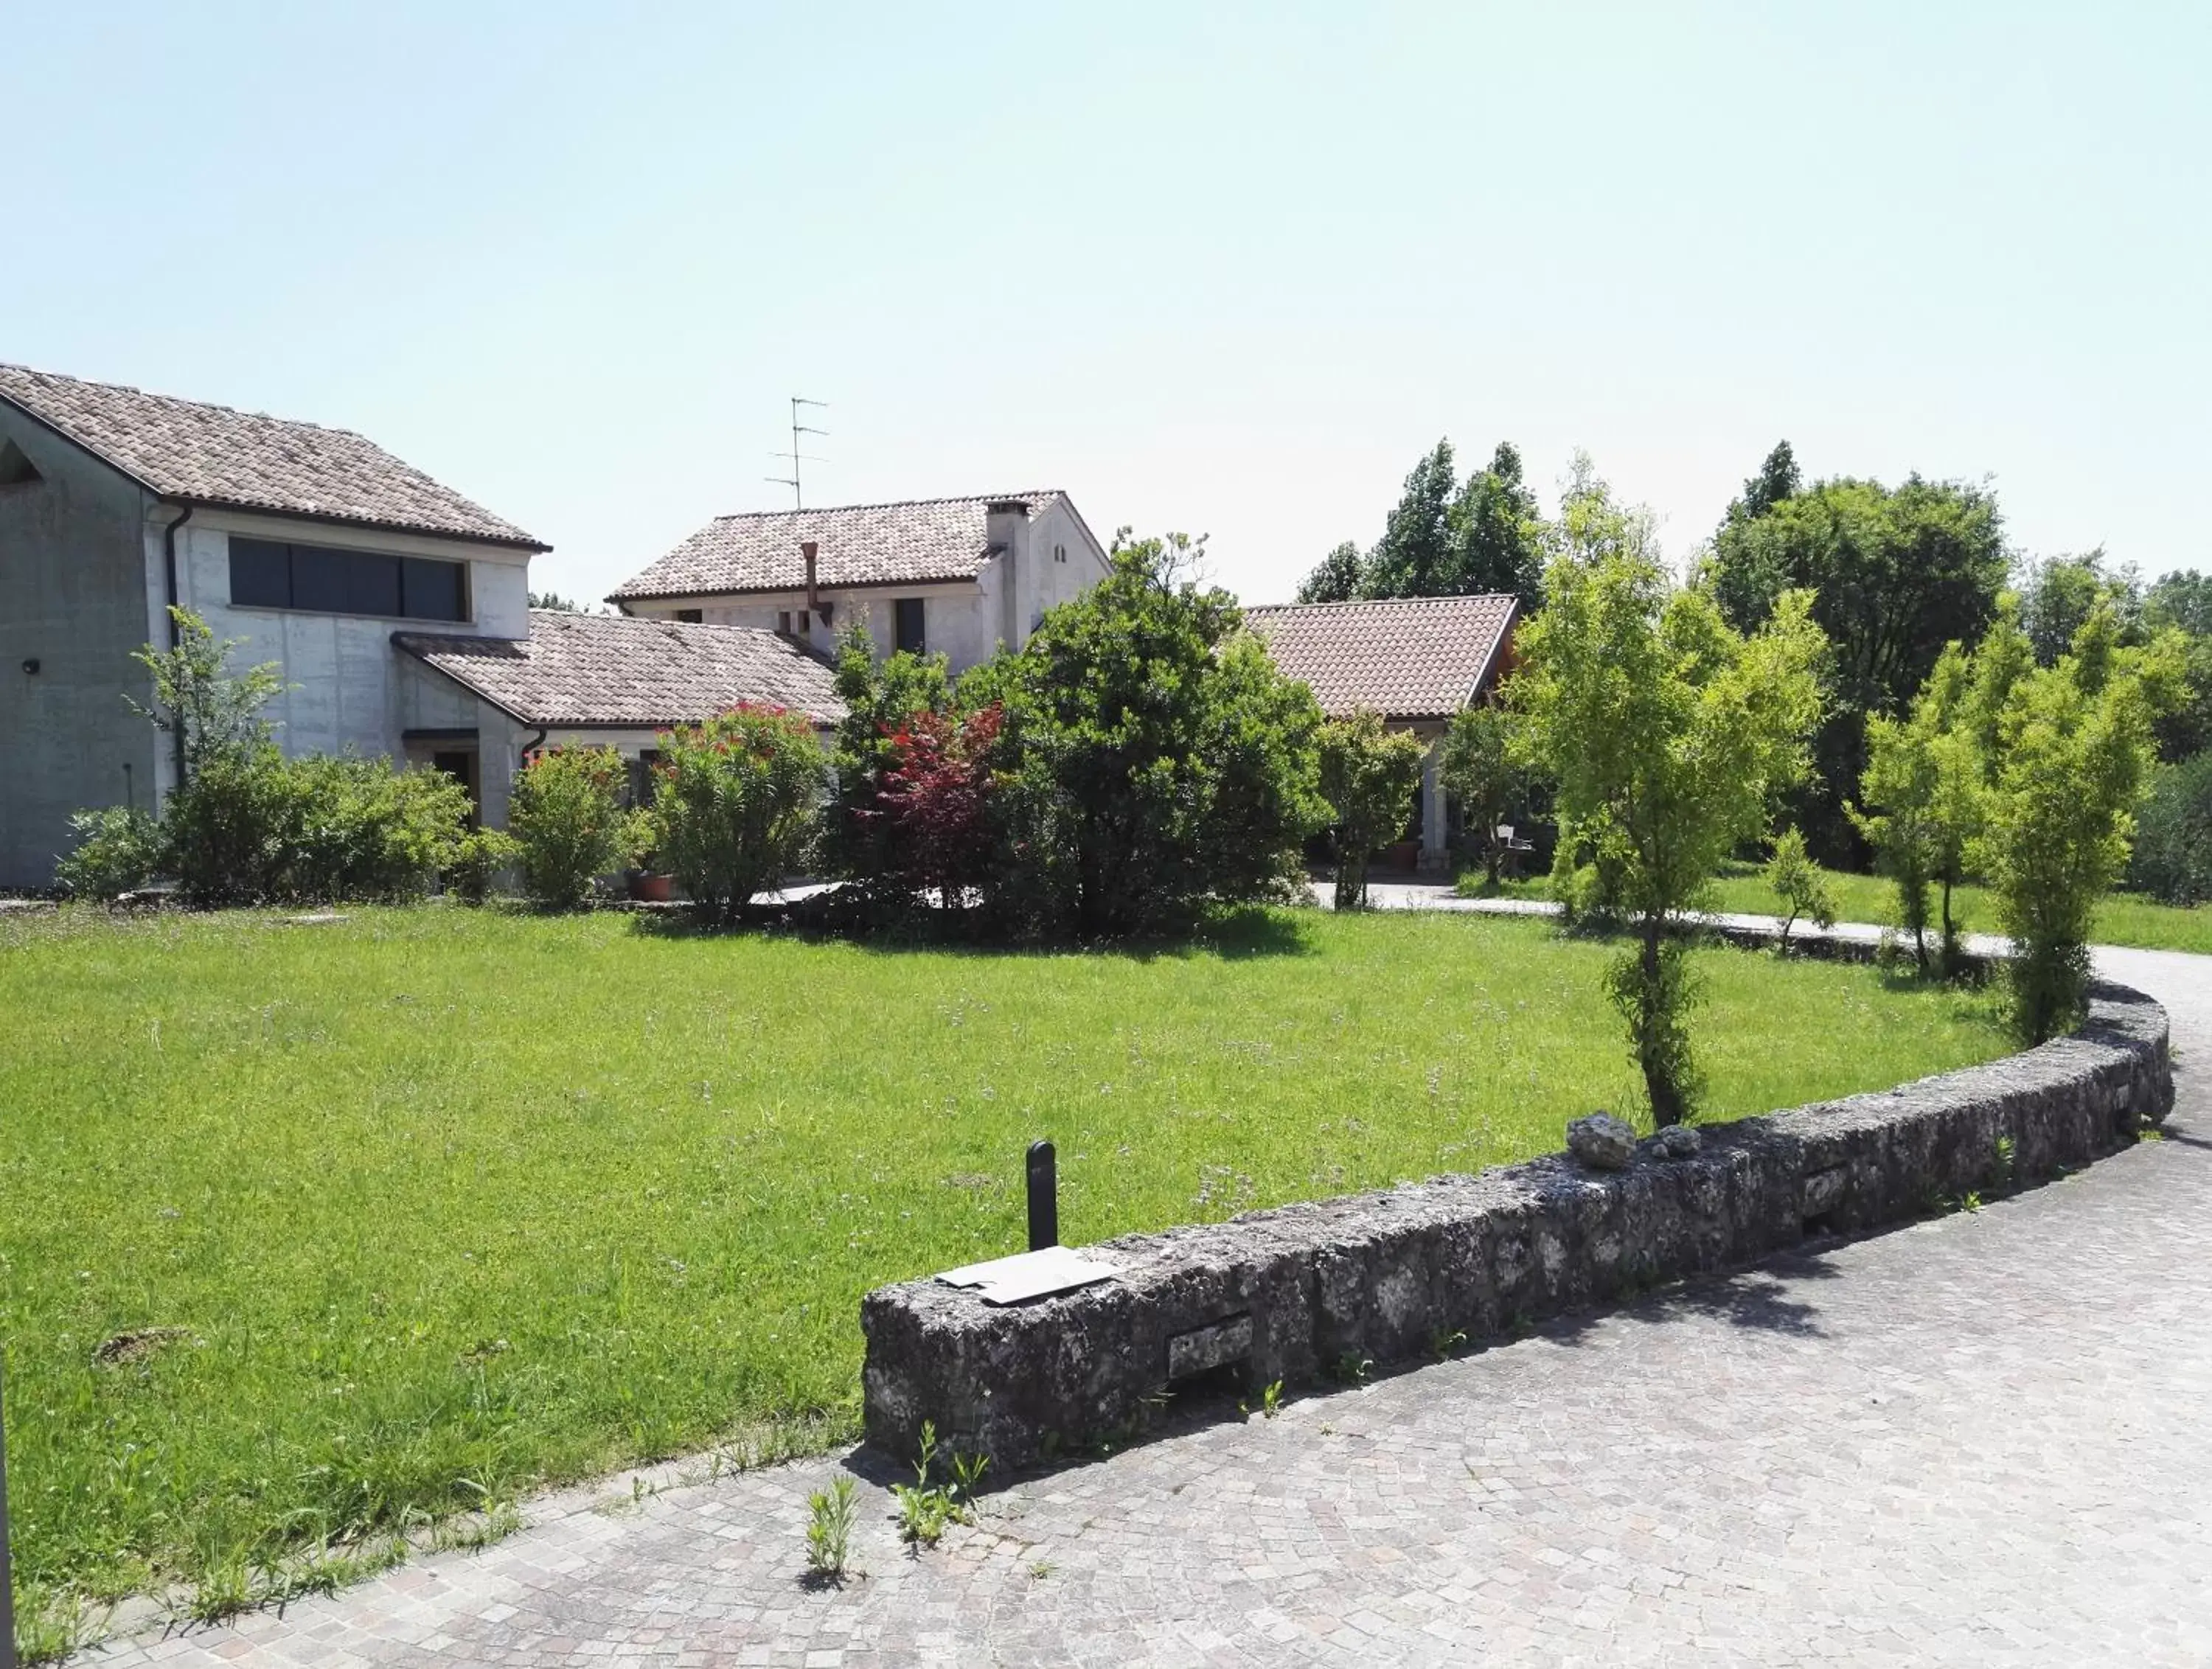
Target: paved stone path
pixel 1982 1439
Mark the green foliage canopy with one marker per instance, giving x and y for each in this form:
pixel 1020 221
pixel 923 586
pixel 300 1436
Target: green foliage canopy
pixel 1669 735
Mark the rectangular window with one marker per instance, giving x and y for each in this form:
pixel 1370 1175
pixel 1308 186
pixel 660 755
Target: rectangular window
pixel 260 574
pixel 691 617
pixel 783 621
pixel 906 625
pixel 265 574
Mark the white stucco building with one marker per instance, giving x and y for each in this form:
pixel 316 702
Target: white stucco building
pixel 397 612
pixel 955 576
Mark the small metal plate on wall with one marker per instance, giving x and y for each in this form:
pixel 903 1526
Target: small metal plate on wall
pixel 1030 1275
pixel 1202 1348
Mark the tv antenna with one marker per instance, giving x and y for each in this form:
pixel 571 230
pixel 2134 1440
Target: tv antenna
pixel 794 457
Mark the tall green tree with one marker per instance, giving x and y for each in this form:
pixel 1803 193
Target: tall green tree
pixel 1152 755
pixel 1340 577
pixel 2057 594
pixel 1897 574
pixel 2183 602
pixel 1669 735
pixel 1414 558
pixel 1497 534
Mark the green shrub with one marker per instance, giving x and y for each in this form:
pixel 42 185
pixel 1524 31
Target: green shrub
pixel 1798 882
pixel 2172 856
pixel 476 862
pixel 119 848
pixel 357 830
pixel 567 818
pixel 738 803
pixel 225 830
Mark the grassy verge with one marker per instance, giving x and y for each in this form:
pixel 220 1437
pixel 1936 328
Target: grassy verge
pixel 2121 918
pixel 310 1234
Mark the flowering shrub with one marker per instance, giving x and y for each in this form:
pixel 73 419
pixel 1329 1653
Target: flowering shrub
pixel 566 817
pixel 738 803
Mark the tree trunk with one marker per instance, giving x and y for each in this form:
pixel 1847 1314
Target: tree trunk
pixel 1666 1105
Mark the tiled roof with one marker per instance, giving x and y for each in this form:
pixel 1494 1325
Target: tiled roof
pixel 860 544
pixel 212 455
pixel 1418 658
pixel 580 668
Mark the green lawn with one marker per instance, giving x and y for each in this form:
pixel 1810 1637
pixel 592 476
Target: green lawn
pixel 2122 919
pixel 437 1196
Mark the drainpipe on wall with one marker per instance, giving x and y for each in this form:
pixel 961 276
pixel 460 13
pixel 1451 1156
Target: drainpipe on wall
pixel 169 576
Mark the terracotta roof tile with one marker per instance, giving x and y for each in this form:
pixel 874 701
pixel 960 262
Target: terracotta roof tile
pixel 1416 657
pixel 210 454
pixel 913 543
pixel 579 669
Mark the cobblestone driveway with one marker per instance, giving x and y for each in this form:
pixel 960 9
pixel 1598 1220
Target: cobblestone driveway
pixel 1985 1440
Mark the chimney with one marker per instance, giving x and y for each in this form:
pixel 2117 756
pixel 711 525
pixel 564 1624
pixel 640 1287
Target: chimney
pixel 1006 532
pixel 816 608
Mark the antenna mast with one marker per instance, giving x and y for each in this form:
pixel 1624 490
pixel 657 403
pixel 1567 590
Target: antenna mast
pixel 794 456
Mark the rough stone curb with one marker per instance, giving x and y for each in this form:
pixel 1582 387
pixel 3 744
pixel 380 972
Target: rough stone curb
pixel 1287 1293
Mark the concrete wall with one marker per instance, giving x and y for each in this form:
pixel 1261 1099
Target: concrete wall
pixel 350 687
pixel 1284 1294
pixel 73 598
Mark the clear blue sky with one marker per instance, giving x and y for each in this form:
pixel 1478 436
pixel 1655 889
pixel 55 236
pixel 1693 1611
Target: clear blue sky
pixel 1225 269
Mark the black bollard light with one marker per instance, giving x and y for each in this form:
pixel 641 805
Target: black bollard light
pixel 1044 1198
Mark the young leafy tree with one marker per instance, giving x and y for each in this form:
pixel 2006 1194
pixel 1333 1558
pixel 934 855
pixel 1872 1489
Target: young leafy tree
pixel 198 697
pixel 1922 791
pixel 2073 746
pixel 1340 577
pixel 1798 882
pixel 1669 736
pixel 2183 602
pixel 1368 776
pixel 1485 773
pixel 738 803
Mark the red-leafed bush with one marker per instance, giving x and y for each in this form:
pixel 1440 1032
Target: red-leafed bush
pixel 936 799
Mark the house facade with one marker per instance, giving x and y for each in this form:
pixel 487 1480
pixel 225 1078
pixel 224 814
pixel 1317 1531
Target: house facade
pixel 1417 661
pixel 956 576
pixel 312 544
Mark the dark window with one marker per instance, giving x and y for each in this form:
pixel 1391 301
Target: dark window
pixel 434 591
pixel 260 574
pixel 691 617
pixel 642 776
pixel 783 621
pixel 268 575
pixel 906 625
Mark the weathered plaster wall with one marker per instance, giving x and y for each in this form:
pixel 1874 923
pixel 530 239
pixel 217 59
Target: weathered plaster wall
pixel 73 599
pixel 1284 1294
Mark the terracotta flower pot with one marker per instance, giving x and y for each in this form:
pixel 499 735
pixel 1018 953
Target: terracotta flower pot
pixel 653 888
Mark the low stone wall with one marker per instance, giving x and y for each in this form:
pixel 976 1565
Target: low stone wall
pixel 1288 1293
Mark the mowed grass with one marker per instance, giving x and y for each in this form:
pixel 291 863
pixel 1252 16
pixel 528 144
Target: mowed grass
pixel 2126 919
pixel 447 1203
